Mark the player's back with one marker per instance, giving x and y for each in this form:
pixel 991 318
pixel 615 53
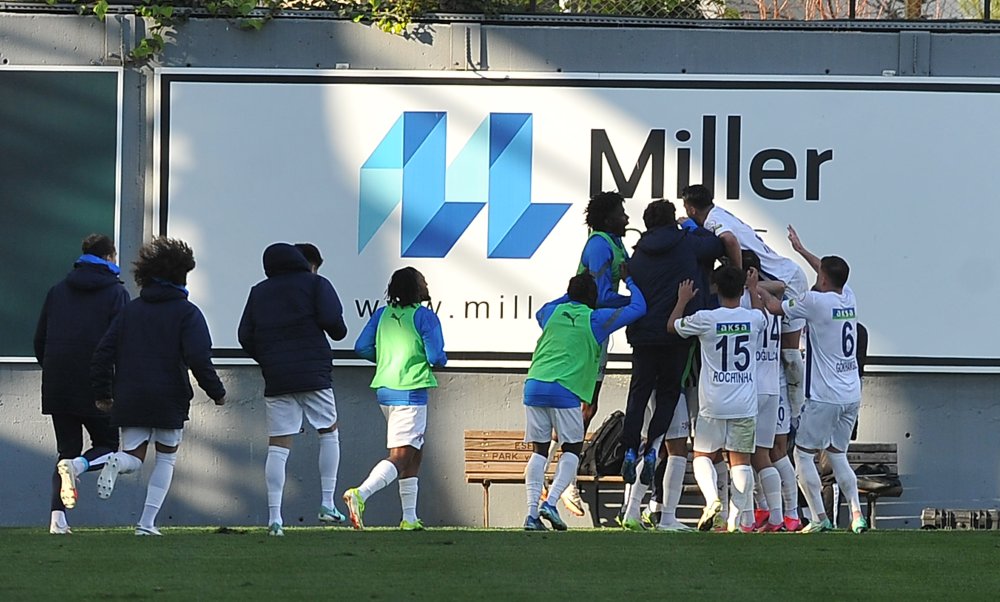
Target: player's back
pixel 728 337
pixel 831 346
pixel 772 265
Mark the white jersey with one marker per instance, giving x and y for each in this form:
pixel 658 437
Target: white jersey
pixel 727 387
pixel 831 365
pixel 768 354
pixel 772 265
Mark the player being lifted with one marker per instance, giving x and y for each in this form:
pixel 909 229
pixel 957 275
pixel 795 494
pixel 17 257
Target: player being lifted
pixel 727 392
pixel 562 376
pixel 833 387
pixel 404 340
pixel 737 236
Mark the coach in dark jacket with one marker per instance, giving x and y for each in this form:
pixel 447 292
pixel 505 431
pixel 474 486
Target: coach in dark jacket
pixel 664 256
pixel 143 360
pixel 286 320
pixel 76 313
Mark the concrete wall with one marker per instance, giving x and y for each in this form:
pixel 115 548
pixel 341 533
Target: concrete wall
pixel 943 423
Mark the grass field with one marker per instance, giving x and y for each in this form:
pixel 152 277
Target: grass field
pixel 461 564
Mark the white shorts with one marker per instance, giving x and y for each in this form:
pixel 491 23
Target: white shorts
pixel 767 420
pixel 541 421
pixel 795 289
pixel 284 412
pixel 824 425
pixel 730 434
pixel 784 413
pixel 134 436
pixel 405 426
pixel 680 424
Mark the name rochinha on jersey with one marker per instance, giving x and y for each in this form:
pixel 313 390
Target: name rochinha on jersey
pixel 732 377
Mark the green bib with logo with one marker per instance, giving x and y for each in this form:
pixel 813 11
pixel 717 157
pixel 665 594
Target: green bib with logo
pixel 401 360
pixel 567 352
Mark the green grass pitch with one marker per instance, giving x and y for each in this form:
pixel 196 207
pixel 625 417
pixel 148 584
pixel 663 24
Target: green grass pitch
pixel 463 564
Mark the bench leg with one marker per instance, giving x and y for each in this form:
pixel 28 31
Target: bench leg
pixel 871 510
pixel 486 504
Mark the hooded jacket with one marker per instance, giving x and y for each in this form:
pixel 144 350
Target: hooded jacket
pixel 285 323
pixel 663 258
pixel 76 313
pixel 143 360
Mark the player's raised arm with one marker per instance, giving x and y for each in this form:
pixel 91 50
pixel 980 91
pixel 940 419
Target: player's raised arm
pixel 799 248
pixel 771 303
pixel 685 292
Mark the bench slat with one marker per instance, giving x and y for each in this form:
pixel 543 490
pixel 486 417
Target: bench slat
pixel 872 457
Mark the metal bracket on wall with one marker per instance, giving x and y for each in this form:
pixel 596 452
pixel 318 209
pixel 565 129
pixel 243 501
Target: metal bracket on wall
pixel 468 47
pixel 914 53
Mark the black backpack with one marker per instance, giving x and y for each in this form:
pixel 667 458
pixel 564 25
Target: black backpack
pixel 604 453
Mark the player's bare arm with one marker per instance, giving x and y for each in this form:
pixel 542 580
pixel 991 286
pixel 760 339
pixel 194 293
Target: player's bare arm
pixel 733 250
pixel 799 248
pixel 771 303
pixel 753 286
pixel 685 292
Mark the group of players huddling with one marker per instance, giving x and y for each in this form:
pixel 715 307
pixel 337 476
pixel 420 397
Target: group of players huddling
pixel 753 388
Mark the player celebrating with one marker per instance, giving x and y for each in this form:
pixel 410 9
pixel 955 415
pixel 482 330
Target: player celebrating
pixel 737 236
pixel 562 375
pixel 404 340
pixel 145 355
pixel 768 477
pixel 727 390
pixel 832 383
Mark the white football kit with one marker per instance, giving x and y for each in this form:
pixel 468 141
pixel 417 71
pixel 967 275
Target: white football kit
pixel 832 384
pixel 772 265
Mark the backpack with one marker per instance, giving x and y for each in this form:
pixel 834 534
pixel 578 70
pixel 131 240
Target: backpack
pixel 604 453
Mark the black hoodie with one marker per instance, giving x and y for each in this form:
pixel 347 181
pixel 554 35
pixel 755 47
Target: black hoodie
pixel 663 258
pixel 286 321
pixel 77 312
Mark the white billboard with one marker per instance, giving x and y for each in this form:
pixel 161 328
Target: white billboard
pixel 481 181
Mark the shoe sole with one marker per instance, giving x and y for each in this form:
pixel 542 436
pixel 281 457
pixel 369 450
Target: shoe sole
pixel 554 520
pixel 707 520
pixel 332 519
pixel 353 510
pixel 67 487
pixel 141 531
pixel 576 509
pixel 106 480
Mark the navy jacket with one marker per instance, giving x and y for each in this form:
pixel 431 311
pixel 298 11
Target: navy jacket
pixel 285 323
pixel 663 258
pixel 143 360
pixel 77 312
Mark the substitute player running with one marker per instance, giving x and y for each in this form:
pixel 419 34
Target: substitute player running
pixel 404 340
pixel 833 387
pixel 562 376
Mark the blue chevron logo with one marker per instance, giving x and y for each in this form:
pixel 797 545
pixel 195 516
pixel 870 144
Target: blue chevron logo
pixel 439 204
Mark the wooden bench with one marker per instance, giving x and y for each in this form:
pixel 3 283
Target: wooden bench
pixel 875 460
pixel 500 456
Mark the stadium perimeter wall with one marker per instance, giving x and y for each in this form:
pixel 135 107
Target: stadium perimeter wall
pixel 944 423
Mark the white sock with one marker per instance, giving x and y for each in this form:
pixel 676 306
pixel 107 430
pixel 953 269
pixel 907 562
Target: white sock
pixel 408 498
pixel 159 485
pixel 846 479
pixel 534 479
pixel 274 477
pixel 789 491
pixel 704 474
pixel 565 474
pixel 329 464
pixel 673 485
pixel 635 500
pixel 81 465
pixel 759 499
pixel 794 367
pixel 127 463
pixel 809 482
pixel 58 519
pixel 769 480
pixel 654 506
pixel 742 480
pixel 722 476
pixel 384 473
